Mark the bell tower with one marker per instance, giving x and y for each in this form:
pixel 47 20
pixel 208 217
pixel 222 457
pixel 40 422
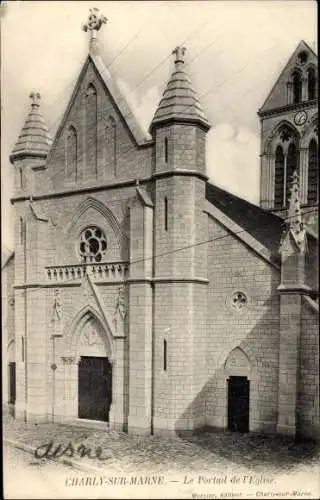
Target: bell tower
pixel 289 134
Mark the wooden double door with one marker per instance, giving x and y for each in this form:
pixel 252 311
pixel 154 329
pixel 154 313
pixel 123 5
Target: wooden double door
pixel 94 388
pixel 238 404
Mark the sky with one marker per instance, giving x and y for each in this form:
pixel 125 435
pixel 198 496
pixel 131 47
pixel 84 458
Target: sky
pixel 235 52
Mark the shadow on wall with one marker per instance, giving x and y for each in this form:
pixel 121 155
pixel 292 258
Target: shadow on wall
pixel 262 447
pixel 258 360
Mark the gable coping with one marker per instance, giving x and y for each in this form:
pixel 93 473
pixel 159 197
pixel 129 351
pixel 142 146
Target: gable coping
pixel 144 196
pixel 101 306
pixel 312 303
pixel 38 211
pixel 302 44
pixel 239 232
pixel 126 112
pixel 140 136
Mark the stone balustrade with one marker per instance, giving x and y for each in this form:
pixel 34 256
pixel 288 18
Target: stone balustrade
pixel 112 271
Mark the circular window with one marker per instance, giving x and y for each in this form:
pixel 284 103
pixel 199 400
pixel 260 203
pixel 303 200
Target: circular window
pixel 239 301
pixel 93 244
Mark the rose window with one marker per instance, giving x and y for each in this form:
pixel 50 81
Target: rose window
pixel 239 300
pixel 93 244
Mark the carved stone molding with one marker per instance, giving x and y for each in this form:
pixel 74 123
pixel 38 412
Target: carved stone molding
pixel 68 360
pixel 57 308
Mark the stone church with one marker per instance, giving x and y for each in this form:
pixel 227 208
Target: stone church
pixel 141 297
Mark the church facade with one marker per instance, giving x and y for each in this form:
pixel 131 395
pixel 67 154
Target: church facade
pixel 148 299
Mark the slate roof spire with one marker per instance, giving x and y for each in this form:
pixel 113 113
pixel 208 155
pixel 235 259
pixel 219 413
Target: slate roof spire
pixel 179 102
pixel 34 140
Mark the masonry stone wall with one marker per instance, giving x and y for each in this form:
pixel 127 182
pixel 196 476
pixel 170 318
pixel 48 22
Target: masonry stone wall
pixel 308 392
pixel 131 162
pixel 233 267
pixel 7 317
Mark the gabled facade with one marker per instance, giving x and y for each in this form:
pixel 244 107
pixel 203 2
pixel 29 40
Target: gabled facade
pixel 145 297
pixel 289 135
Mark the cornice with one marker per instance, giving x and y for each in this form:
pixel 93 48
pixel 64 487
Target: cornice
pixel 181 172
pixel 288 107
pixel 113 185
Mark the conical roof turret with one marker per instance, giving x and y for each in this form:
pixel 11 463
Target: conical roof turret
pixel 34 140
pixel 179 102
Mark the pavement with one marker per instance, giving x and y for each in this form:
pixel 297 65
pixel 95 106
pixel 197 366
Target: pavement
pixel 216 464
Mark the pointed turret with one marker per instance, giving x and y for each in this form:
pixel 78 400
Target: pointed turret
pixel 179 102
pixel 34 140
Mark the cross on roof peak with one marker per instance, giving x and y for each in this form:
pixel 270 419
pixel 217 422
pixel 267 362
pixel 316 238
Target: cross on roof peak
pixel 94 22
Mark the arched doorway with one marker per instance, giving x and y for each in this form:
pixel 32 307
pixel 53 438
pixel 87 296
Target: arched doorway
pixel 237 371
pixel 94 377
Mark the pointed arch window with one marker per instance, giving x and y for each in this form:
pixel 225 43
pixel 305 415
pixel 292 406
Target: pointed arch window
pixel 111 145
pixel 296 87
pixel 279 178
pixel 71 153
pixel 313 180
pixel 312 80
pixel 91 129
pixel 292 163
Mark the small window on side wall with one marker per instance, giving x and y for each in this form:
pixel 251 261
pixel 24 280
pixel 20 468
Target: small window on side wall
pixel 166 152
pixel 166 214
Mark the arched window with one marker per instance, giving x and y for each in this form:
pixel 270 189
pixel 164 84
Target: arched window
pixel 297 87
pixel 311 84
pixel 111 145
pixel 292 163
pixel 91 129
pixel 279 178
pixel 313 181
pixel 71 153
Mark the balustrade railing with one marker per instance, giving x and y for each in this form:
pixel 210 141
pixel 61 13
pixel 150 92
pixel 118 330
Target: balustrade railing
pixel 111 271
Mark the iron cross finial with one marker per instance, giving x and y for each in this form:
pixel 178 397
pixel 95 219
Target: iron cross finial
pixel 94 22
